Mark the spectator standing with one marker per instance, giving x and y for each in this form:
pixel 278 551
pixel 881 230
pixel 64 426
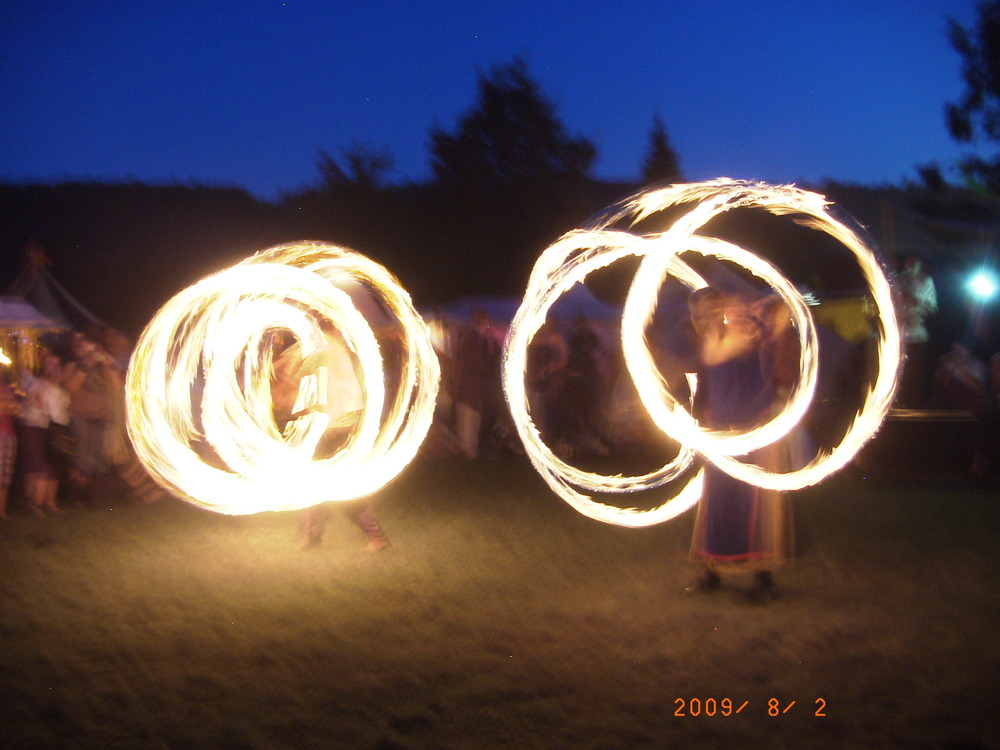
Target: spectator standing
pixel 584 393
pixel 44 419
pixel 117 447
pixel 918 302
pixel 548 354
pixel 88 379
pixel 963 381
pixel 8 442
pixel 476 381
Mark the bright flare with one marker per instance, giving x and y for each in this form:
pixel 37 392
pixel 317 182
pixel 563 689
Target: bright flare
pixel 198 387
pixel 983 286
pixel 579 253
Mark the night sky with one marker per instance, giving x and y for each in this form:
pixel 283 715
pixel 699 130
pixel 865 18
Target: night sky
pixel 244 93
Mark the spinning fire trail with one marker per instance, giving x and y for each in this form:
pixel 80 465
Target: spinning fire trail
pixel 572 258
pixel 200 411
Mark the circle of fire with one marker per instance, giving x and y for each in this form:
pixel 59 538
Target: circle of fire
pixel 574 256
pixel 198 388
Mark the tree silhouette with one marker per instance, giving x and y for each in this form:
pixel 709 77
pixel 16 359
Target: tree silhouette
pixel 978 109
pixel 511 138
pixel 661 163
pixel 360 166
pixel 509 180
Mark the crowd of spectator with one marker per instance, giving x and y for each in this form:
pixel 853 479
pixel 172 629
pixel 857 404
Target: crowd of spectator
pixel 63 439
pixel 63 435
pixel 964 379
pixel 574 383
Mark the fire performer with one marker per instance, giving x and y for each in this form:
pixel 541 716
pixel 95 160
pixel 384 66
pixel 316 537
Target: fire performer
pixel 341 400
pixel 738 527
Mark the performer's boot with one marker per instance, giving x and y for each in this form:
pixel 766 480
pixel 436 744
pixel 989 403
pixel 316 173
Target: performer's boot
pixel 368 522
pixel 708 581
pixel 764 590
pixel 312 524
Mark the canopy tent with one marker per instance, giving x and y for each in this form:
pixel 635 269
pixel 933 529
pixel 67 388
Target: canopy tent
pixel 21 325
pixel 16 312
pixel 36 304
pixel 579 301
pixel 42 290
pixel 446 321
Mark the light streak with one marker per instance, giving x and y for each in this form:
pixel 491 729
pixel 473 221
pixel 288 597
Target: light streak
pixel 572 258
pixel 198 388
pixel 4 359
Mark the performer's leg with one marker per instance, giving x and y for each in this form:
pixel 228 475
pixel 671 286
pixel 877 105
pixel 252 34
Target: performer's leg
pixel 366 519
pixel 708 581
pixel 468 422
pixel 764 590
pixel 312 525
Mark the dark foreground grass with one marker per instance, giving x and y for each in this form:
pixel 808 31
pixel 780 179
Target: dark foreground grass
pixel 500 618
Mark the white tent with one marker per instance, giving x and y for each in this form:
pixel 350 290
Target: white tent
pixel 21 325
pixel 42 290
pixel 17 312
pixel 578 301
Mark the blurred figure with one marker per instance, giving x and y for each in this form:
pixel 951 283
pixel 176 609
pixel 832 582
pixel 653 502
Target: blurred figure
pixel 118 448
pixel 963 381
pixel 781 351
pixel 917 302
pixel 995 376
pixel 44 423
pixel 548 355
pixel 8 442
pixel 986 461
pixel 738 529
pixel 88 377
pixel 441 440
pixel 118 347
pixel 774 539
pixel 476 381
pixel 341 399
pixel 584 394
pixel 992 422
pixel 61 443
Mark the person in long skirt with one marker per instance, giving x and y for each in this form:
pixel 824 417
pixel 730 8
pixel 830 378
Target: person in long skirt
pixel 739 529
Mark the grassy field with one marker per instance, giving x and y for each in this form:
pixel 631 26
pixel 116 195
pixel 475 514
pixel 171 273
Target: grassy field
pixel 500 618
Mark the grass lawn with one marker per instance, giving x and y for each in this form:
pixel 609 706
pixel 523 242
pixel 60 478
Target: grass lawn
pixel 500 618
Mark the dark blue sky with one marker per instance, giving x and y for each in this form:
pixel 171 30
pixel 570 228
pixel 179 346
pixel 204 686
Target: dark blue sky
pixel 244 92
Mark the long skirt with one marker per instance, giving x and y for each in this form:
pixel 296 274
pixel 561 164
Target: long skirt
pixel 741 528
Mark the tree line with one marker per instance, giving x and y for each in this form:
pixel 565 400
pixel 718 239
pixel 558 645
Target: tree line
pixel 507 180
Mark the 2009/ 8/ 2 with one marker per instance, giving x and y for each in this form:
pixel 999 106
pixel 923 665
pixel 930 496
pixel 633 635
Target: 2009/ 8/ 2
pixel 722 707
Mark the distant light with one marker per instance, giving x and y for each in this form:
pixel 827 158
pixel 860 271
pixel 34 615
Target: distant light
pixel 4 359
pixel 983 285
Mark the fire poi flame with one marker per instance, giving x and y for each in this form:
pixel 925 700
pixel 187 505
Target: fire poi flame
pixel 574 256
pixel 198 388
